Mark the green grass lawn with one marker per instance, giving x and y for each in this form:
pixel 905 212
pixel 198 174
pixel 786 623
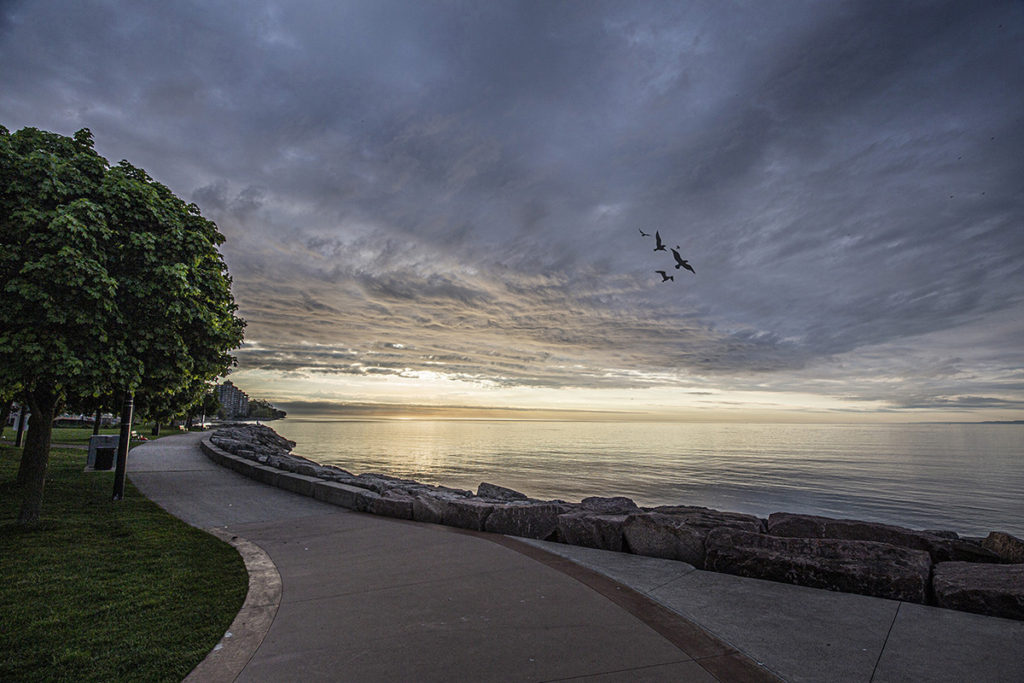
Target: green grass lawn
pixel 80 435
pixel 107 591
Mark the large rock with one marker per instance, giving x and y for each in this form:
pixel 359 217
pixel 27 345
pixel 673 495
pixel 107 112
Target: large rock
pixel 329 474
pixel 529 520
pixel 865 567
pixel 379 483
pixel 940 548
pixel 392 505
pixel 258 438
pixel 429 508
pixel 678 532
pixel 495 492
pixel 993 589
pixel 343 495
pixel 1010 549
pixel 467 513
pixel 227 443
pixel 305 469
pixel 710 518
pixel 591 530
pixel 616 505
pixel 666 536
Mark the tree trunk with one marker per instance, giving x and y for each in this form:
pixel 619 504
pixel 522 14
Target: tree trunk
pixel 96 423
pixel 156 428
pixel 34 459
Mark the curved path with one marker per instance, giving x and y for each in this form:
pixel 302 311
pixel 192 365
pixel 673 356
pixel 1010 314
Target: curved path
pixel 366 598
pixel 342 596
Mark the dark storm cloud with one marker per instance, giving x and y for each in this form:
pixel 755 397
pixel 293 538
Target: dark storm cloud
pixel 464 180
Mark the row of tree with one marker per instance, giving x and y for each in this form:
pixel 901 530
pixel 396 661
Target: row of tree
pixel 264 410
pixel 111 286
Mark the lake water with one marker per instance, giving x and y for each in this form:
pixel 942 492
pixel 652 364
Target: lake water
pixel 965 477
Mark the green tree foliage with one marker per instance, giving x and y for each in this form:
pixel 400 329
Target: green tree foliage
pixel 161 406
pixel 264 410
pixel 110 283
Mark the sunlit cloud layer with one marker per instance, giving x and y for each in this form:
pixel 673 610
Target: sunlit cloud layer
pixel 436 203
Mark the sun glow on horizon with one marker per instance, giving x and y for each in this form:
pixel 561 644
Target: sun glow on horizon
pixel 431 395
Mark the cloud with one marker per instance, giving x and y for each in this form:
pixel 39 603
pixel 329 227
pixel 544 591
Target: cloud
pixel 845 180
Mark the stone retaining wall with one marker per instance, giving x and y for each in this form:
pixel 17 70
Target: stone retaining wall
pixel 985 576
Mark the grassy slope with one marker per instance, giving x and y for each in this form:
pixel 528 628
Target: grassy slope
pixel 107 591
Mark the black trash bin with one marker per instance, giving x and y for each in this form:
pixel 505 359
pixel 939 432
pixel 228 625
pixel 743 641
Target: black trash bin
pixel 102 451
pixel 104 458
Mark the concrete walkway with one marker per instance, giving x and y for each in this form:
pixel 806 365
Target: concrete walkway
pixel 366 598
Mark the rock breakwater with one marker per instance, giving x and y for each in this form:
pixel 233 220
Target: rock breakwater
pixel 985 576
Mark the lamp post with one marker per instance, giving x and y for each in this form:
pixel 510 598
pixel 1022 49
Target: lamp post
pixel 121 468
pixel 22 423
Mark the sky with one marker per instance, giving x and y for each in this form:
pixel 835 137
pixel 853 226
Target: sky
pixel 435 208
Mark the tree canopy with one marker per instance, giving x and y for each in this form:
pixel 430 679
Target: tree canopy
pixel 110 283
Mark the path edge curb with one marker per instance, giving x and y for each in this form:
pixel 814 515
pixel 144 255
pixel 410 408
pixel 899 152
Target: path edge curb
pixel 250 626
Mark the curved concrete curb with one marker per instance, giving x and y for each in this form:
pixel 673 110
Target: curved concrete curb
pixel 716 656
pixel 227 659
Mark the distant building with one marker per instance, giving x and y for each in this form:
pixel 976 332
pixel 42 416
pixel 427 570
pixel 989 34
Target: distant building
pixel 234 402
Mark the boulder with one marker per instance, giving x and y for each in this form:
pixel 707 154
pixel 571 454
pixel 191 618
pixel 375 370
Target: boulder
pixel 940 548
pixel 1010 549
pixel 397 506
pixel 440 491
pixel 343 495
pixel 710 518
pixel 334 475
pixel 495 492
pixel 616 505
pixel 226 443
pixel 942 533
pixel 335 470
pixel 467 513
pixel 993 589
pixel 429 508
pixel 865 567
pixel 528 520
pixel 257 437
pixel 591 530
pixel 375 482
pixel 306 469
pixel 678 532
pixel 665 536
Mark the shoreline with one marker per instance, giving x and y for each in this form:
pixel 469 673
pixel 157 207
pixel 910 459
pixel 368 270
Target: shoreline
pixel 939 568
pixel 886 475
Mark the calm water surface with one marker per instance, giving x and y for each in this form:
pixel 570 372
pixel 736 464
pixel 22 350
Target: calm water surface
pixel 968 478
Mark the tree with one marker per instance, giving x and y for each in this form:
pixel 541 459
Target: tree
pixel 209 404
pixel 264 410
pixel 110 283
pixel 161 406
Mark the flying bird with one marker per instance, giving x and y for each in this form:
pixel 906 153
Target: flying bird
pixel 643 234
pixel 665 276
pixel 657 238
pixel 681 262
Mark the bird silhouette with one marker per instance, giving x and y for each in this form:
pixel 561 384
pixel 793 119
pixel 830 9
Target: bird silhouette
pixel 657 238
pixel 665 276
pixel 681 262
pixel 643 234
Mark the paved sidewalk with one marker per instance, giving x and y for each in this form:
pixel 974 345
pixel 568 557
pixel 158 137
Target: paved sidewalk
pixel 366 598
